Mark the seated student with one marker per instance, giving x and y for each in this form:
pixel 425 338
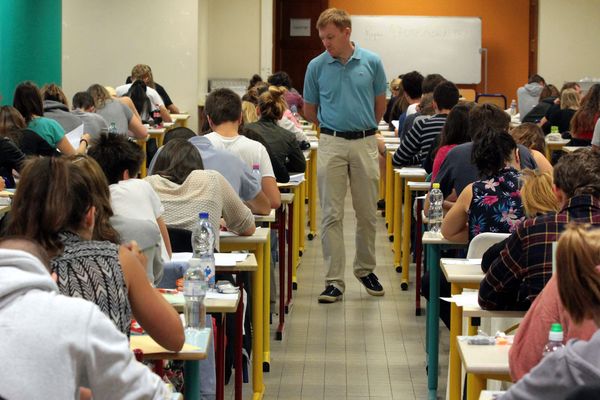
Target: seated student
pixel 596 136
pixel 492 204
pixel 412 84
pixel 145 72
pixel 28 101
pixel 584 120
pixel 548 95
pixel 518 275
pixel 578 281
pixel 114 111
pixel 13 126
pixel 137 94
pixel 531 136
pixel 425 106
pixel 454 132
pixel 121 159
pixel 556 106
pixel 417 143
pixel 224 112
pixel 60 215
pixel 186 189
pixel 529 95
pixel 155 99
pixel 56 107
pixel 457 170
pixel 569 104
pixel 290 95
pixel 282 143
pixel 83 107
pixel 11 158
pixel 58 344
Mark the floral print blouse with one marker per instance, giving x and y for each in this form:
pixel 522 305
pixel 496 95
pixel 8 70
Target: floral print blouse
pixel 496 205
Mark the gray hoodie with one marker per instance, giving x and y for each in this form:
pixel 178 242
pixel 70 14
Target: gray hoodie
pixel 53 344
pixel 528 97
pixel 60 113
pixel 577 364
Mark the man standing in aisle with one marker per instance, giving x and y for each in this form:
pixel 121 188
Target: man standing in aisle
pixel 344 91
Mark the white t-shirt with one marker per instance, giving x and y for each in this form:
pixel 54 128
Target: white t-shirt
pixel 250 151
pixel 412 108
pixel 135 199
pixel 151 93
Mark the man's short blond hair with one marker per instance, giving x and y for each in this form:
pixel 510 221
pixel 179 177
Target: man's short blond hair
pixel 335 16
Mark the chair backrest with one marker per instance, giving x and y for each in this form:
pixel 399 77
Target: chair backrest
pixel 181 240
pixel 467 94
pixel 492 98
pixel 484 241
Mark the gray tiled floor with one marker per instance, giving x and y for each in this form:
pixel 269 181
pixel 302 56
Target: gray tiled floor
pixel 361 348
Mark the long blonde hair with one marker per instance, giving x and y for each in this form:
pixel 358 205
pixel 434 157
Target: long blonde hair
pixel 578 275
pixel 536 193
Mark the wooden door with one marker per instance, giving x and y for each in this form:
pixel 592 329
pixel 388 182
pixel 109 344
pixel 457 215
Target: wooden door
pixel 292 53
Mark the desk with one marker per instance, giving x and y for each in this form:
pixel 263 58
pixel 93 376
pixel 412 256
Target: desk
pixel 180 119
pixel 158 134
pixel 266 218
pixel 193 351
pixel 259 244
pixel 312 190
pixel 390 149
pixel 433 245
pixel 483 363
pixel 142 144
pixel 297 211
pixel 285 303
pixel 554 145
pixel 406 174
pixel 570 149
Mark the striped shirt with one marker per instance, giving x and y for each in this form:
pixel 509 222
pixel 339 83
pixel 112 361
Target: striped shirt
pixel 518 275
pixel 419 139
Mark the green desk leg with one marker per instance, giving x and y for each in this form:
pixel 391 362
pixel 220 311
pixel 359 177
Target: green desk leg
pixel 191 370
pixel 433 316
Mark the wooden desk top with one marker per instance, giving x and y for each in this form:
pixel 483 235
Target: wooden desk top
pixel 431 238
pixel 392 147
pixel 260 236
pixel 411 172
pixel 391 140
pixel 461 270
pixel 478 312
pixel 266 218
pixel 418 186
pixel 288 185
pixel 156 131
pixel 560 142
pixel 195 348
pixel 484 359
pixel 287 198
pixel 212 304
pixel 180 117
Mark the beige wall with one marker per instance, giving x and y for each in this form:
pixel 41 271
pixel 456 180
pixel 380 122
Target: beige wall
pixel 568 40
pixel 234 38
pixel 102 40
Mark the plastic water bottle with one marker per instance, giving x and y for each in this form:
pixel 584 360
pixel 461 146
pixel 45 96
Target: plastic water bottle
pixel 436 212
pixel 513 107
pixel 112 129
pixel 555 339
pixel 203 243
pixel 554 129
pixel 194 292
pixel 256 171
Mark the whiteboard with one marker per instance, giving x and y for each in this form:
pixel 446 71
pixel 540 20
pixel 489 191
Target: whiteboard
pixel 446 45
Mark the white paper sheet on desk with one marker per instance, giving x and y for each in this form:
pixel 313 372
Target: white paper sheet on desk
pixel 465 299
pixel 75 136
pixel 299 177
pixel 463 261
pixel 396 123
pixel 221 296
pixel 221 259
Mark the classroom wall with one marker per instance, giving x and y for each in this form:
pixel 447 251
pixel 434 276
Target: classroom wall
pixel 30 44
pixel 234 38
pixel 505 31
pixel 103 40
pixel 568 40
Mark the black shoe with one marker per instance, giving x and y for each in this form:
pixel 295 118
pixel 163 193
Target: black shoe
pixel 331 294
pixel 371 283
pixel 381 204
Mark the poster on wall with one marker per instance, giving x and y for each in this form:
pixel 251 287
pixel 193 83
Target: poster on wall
pixel 299 26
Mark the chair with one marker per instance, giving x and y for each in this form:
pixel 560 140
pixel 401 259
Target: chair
pixel 467 94
pixel 181 240
pixel 492 98
pixel 484 241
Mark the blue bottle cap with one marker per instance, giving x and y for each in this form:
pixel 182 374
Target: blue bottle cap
pixel 203 215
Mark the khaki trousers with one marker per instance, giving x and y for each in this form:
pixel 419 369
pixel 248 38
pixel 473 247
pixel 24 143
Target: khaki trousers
pixel 341 161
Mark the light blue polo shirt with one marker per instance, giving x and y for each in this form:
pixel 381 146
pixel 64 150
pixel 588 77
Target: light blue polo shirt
pixel 345 94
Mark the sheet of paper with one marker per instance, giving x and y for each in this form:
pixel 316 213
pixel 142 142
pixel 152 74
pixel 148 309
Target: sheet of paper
pixel 297 177
pixel 465 299
pixel 181 257
pixel 221 296
pixel 396 123
pixel 462 261
pixel 149 346
pixel 75 136
pixel 229 259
